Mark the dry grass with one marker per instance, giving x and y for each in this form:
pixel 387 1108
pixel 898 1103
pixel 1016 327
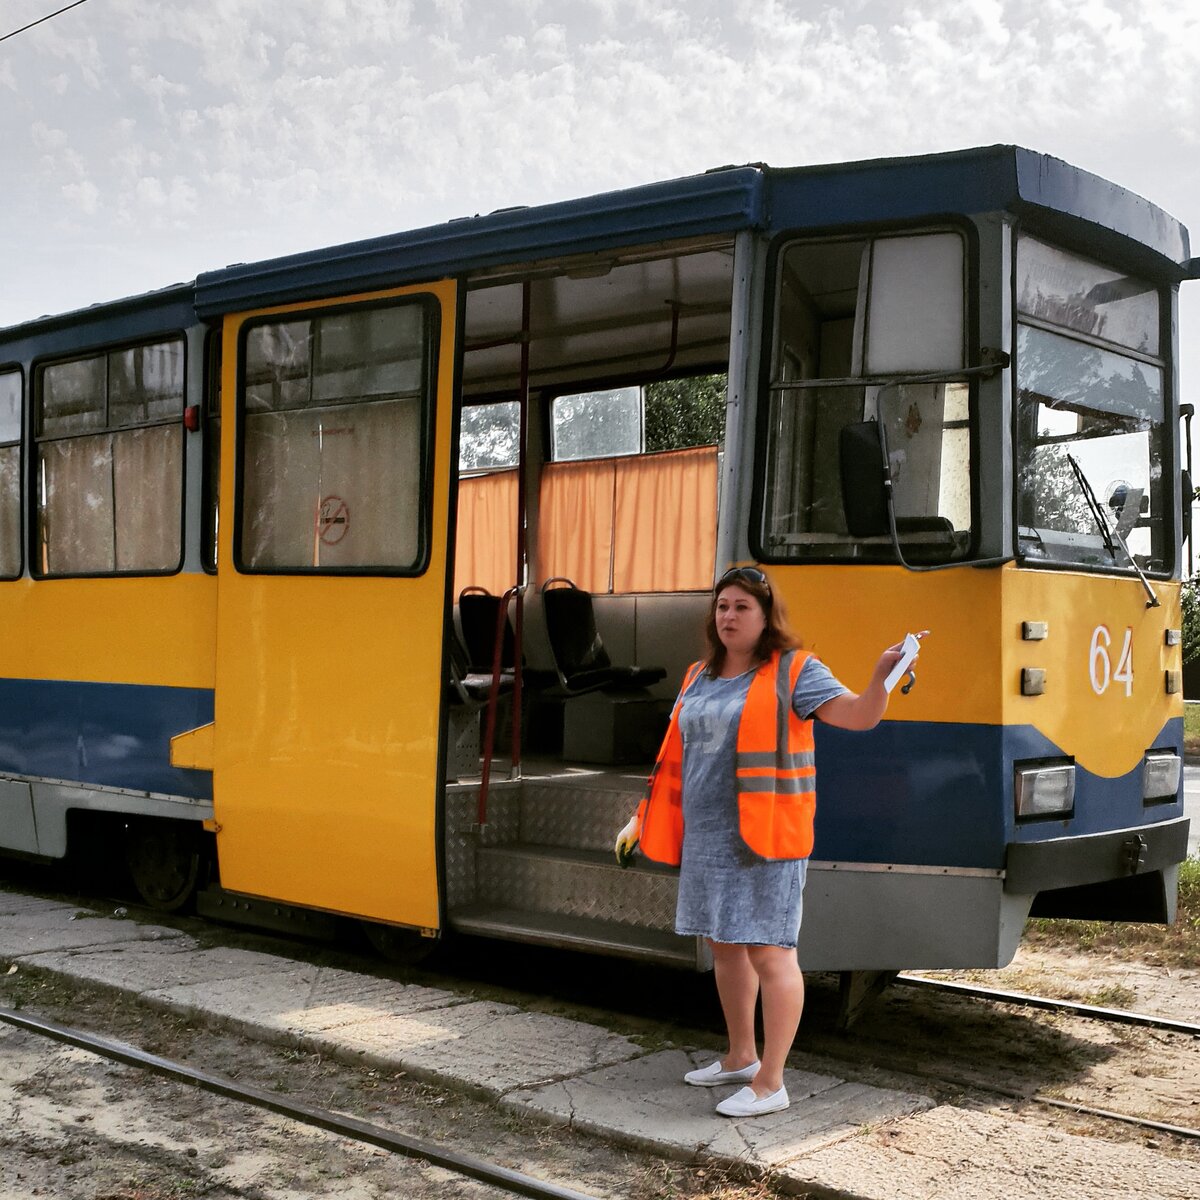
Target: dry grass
pixel 1175 945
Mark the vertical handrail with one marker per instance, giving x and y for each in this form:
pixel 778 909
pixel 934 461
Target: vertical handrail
pixel 493 704
pixel 521 563
pixel 517 591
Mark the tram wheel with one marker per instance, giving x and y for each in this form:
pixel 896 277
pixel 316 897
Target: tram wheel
pixel 164 859
pixel 405 947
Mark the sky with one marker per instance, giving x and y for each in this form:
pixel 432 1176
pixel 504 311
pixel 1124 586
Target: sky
pixel 145 141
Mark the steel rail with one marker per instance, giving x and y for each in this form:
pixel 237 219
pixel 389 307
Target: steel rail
pixel 1113 1015
pixel 349 1127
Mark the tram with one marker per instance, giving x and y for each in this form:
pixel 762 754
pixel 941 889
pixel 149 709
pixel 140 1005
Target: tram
pixel 360 582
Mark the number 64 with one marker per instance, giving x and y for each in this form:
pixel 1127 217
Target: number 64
pixel 1100 664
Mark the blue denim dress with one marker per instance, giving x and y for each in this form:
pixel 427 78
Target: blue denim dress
pixel 726 891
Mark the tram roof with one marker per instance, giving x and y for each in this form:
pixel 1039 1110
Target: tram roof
pixel 1051 193
pixel 108 320
pixel 722 201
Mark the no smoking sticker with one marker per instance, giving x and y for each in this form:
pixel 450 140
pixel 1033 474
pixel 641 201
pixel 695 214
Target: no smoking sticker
pixel 333 520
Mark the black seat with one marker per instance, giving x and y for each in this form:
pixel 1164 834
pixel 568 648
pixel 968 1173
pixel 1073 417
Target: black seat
pixel 580 659
pixel 471 688
pixel 478 613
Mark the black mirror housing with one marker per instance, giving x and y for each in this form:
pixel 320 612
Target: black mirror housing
pixel 864 492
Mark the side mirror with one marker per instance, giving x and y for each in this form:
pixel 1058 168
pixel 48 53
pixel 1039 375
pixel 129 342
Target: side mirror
pixel 864 492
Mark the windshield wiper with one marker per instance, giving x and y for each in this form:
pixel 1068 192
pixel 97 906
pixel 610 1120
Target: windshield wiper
pixel 1107 532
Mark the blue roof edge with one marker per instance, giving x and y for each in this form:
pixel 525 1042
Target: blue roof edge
pixel 1050 185
pixel 721 201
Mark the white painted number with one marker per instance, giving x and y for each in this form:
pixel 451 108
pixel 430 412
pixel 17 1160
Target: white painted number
pixel 1124 672
pixel 1100 664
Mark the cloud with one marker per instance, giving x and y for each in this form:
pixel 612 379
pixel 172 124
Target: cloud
pixel 84 196
pixel 266 126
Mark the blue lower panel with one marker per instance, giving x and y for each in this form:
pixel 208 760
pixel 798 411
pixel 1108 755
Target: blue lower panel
pixel 117 735
pixel 942 794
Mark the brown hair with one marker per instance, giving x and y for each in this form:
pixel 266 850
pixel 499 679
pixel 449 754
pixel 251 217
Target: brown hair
pixel 777 635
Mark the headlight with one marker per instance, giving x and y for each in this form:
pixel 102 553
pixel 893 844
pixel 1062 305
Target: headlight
pixel 1044 790
pixel 1160 775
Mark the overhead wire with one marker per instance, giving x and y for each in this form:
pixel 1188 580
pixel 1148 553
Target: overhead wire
pixel 41 20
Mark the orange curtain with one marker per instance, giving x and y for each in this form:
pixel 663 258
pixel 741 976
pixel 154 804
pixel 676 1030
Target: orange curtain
pixel 665 524
pixel 486 552
pixel 640 524
pixel 575 522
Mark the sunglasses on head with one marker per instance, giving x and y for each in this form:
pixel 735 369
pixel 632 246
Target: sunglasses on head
pixel 750 574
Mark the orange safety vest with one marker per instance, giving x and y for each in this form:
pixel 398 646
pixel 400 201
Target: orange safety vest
pixel 774 766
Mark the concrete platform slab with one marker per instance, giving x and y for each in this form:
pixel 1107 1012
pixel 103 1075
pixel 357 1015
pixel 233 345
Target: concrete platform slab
pixel 13 904
pixel 961 1154
pixel 292 1000
pixel 646 1104
pixel 151 966
pixel 67 928
pixel 484 1047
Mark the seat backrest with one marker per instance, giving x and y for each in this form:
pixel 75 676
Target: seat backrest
pixel 571 629
pixel 478 611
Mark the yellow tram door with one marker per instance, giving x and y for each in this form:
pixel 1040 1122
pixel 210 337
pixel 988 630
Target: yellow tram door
pixel 334 493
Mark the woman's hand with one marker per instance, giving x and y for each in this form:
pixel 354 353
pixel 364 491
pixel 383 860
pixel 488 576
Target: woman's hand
pixel 887 660
pixel 627 841
pixel 863 711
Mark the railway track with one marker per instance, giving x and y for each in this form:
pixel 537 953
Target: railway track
pixel 400 1144
pixel 1091 1011
pixel 1117 1016
pixel 469 1166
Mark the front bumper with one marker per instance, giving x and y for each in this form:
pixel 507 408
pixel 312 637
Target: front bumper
pixel 1032 867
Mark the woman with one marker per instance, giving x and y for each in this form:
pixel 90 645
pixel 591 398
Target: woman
pixel 747 805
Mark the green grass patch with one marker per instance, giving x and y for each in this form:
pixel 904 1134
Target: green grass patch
pixel 1173 946
pixel 1191 728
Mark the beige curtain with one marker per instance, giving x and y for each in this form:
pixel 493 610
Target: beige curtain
pixel 10 510
pixel 486 552
pixel 75 506
pixel 665 523
pixel 148 497
pixel 333 487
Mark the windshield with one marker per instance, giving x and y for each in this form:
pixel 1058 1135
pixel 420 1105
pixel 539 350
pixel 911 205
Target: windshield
pixel 1090 388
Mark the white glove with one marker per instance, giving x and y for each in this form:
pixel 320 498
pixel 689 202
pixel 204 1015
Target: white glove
pixel 627 841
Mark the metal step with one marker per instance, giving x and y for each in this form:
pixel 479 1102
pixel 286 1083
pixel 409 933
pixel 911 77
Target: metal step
pixel 575 883
pixel 583 813
pixel 581 933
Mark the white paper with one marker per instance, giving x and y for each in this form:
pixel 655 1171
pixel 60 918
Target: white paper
pixel 909 649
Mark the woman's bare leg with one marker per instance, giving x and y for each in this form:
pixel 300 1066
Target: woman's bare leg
pixel 778 973
pixel 737 987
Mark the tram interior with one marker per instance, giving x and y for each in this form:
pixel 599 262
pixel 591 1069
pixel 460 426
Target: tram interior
pixel 621 505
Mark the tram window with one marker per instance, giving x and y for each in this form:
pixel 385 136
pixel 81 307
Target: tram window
pixel 10 474
pixel 110 462
pixel 847 311
pixel 1090 389
pixel 489 435
pixel 333 454
pixel 212 450
pixel 686 412
pixel 596 424
pixel 669 414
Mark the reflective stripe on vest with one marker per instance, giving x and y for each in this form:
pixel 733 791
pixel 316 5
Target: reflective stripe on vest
pixel 774 770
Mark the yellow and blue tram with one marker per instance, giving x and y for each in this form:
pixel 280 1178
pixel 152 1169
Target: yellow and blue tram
pixel 248 526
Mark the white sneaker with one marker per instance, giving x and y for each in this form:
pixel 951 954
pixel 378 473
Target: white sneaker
pixel 714 1075
pixel 746 1104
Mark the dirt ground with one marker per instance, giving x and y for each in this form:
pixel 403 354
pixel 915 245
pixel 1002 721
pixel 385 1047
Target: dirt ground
pixel 1024 1052
pixel 75 1126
